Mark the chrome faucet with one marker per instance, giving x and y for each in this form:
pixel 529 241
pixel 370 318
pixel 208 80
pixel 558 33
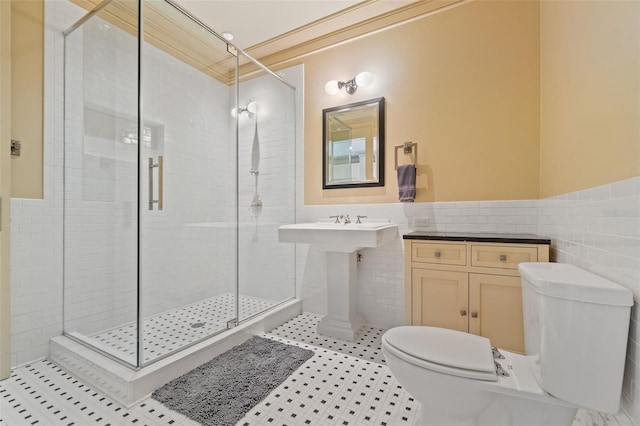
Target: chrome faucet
pixel 344 217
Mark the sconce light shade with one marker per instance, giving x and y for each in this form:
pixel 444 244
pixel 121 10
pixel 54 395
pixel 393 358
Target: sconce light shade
pixel 332 87
pixel 252 107
pixel 364 79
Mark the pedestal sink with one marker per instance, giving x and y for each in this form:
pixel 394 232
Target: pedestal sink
pixel 341 242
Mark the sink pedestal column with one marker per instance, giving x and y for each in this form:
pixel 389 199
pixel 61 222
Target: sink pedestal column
pixel 342 320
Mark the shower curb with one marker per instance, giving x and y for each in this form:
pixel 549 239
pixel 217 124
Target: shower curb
pixel 128 386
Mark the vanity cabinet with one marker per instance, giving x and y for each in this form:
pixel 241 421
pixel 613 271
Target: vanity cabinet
pixel 471 286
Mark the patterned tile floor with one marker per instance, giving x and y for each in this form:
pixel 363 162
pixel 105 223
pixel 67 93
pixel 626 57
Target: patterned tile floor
pixel 303 329
pixel 342 384
pixel 171 330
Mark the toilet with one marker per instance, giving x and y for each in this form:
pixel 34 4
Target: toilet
pixel 575 328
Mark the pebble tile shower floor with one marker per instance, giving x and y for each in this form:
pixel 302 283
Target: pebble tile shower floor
pixel 342 384
pixel 174 329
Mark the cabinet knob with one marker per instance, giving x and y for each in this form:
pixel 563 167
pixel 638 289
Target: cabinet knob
pixel 503 258
pixel 474 315
pixel 463 312
pixel 438 254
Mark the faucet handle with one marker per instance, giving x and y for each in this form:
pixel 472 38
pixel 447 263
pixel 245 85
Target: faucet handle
pixel 336 217
pixel 360 217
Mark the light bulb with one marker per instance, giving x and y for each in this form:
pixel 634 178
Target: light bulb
pixel 234 113
pixel 331 87
pixel 364 79
pixel 252 107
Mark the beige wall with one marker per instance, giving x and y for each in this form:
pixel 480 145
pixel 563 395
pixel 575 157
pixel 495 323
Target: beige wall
pixel 5 178
pixel 27 34
pixel 463 84
pixel 590 94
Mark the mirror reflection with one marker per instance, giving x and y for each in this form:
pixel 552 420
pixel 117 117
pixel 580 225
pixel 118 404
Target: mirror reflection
pixel 353 145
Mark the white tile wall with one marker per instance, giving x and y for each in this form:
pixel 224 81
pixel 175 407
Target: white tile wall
pixel 181 262
pixel 599 229
pixel 266 267
pixel 36 225
pixel 381 272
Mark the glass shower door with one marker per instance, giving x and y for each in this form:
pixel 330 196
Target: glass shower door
pixel 176 179
pixel 187 183
pixel 100 183
pixel 266 188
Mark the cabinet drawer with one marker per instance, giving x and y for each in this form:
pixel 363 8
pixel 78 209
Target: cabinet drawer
pixel 445 254
pixel 502 257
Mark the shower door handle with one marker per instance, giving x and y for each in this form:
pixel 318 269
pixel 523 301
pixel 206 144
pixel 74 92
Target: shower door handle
pixel 160 181
pixel 160 166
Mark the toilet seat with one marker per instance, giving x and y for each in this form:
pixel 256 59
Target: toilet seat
pixel 443 350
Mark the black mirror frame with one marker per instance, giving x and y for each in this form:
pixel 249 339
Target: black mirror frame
pixel 381 145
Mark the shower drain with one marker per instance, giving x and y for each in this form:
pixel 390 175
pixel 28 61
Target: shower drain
pixel 198 324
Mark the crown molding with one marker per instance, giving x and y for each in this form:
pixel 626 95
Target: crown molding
pixel 194 48
pixel 293 45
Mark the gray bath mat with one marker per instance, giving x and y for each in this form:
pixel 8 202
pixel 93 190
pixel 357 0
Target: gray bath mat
pixel 224 389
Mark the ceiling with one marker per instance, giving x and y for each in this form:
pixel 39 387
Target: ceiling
pixel 253 22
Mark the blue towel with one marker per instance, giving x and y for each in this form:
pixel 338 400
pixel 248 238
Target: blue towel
pixel 407 183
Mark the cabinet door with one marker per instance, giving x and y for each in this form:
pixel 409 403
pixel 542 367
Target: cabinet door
pixel 440 299
pixel 495 310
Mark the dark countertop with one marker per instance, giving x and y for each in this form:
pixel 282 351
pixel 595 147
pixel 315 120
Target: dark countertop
pixel 477 237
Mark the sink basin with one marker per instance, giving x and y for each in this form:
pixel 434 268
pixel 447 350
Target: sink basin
pixel 339 237
pixel 340 242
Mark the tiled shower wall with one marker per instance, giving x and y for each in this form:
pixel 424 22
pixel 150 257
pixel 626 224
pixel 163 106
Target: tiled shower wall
pixel 267 267
pixel 188 241
pixel 191 128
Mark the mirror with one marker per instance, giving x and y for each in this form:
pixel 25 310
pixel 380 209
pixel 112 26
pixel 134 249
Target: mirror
pixel 353 145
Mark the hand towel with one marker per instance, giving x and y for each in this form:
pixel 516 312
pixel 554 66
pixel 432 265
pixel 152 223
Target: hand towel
pixel 407 183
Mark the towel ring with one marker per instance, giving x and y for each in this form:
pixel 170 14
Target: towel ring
pixel 408 149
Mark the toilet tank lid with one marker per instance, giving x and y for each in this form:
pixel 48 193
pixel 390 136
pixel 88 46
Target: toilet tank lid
pixel 565 281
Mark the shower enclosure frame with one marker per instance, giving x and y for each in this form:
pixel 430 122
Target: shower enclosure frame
pixel 139 321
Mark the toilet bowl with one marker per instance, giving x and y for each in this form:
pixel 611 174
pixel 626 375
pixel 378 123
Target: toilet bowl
pixel 575 326
pixel 460 395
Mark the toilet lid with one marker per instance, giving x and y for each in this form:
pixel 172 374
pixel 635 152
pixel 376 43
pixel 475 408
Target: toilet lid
pixel 450 349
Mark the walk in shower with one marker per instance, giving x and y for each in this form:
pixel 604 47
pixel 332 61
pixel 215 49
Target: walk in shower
pixel 179 167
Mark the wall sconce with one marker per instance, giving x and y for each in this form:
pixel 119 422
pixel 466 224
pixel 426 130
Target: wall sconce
pixel 250 108
pixel 363 79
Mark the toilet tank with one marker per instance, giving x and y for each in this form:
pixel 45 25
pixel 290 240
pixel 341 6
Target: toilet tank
pixel 575 326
